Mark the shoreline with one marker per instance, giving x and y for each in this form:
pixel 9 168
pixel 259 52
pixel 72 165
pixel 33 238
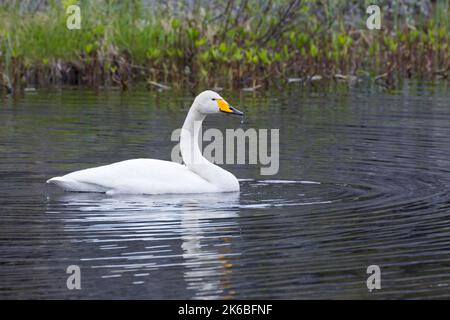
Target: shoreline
pixel 323 86
pixel 121 44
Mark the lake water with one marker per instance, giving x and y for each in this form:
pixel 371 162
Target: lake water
pixel 364 179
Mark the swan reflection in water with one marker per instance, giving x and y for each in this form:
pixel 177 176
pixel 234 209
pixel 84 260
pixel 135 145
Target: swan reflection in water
pixel 145 238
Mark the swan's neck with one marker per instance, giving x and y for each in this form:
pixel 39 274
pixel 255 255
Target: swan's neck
pixel 189 138
pixel 192 155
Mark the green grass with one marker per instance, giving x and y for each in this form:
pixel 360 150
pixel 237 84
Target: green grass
pixel 235 43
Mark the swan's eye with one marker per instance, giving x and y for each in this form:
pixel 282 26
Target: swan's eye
pixel 213 99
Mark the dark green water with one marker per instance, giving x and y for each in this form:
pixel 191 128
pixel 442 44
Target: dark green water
pixel 364 180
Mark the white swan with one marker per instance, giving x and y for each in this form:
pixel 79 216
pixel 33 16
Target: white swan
pixel 150 176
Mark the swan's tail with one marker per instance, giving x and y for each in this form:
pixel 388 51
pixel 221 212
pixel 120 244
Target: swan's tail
pixel 66 184
pixel 74 185
pixel 59 181
pixel 54 180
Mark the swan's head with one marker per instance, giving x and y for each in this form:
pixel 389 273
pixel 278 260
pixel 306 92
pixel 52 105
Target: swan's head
pixel 209 102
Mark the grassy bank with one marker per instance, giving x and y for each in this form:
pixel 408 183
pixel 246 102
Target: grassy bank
pixel 234 43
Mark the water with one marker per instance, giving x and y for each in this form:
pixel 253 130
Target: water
pixel 364 180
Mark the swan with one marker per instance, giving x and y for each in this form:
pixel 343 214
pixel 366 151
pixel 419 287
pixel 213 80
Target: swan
pixel 152 176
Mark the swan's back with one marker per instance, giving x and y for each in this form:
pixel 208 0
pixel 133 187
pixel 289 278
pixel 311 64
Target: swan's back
pixel 142 176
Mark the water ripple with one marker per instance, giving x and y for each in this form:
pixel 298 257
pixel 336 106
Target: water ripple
pixel 364 179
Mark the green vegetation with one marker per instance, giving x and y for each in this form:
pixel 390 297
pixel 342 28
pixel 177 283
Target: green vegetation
pixel 234 43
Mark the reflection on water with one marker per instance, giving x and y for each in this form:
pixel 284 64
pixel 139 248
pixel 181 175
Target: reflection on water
pixel 364 179
pixel 145 233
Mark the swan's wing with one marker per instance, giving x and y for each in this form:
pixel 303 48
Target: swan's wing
pixel 146 176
